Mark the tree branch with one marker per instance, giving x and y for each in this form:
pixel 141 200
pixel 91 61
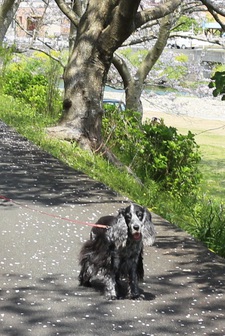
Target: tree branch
pixel 68 12
pixel 122 68
pixel 120 23
pixel 157 12
pixel 49 55
pixel 7 6
pixel 212 7
pixel 154 54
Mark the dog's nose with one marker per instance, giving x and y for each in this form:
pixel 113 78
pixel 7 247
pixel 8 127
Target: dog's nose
pixel 136 227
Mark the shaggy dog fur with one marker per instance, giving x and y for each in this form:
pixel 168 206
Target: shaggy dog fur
pixel 116 251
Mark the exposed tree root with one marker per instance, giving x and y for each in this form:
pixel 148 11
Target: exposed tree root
pixel 69 134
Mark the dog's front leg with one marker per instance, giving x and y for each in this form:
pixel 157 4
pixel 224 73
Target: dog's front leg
pixel 110 286
pixel 111 277
pixel 133 283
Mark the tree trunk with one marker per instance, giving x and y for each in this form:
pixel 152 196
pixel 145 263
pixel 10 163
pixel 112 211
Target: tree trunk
pixel 101 30
pixel 84 80
pixel 133 93
pixel 7 11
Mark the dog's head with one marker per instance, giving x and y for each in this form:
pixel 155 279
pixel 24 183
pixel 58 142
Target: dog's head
pixel 139 223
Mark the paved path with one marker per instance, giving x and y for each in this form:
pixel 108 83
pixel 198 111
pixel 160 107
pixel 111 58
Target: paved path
pixel 184 283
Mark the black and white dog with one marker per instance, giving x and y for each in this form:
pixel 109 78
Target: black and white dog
pixel 116 251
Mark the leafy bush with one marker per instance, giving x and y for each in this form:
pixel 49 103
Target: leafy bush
pixel 18 82
pixel 34 81
pixel 182 58
pixel 218 84
pixel 154 151
pixel 186 24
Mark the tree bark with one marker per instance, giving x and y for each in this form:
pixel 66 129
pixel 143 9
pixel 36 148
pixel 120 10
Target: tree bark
pixel 7 11
pixel 133 96
pixel 84 80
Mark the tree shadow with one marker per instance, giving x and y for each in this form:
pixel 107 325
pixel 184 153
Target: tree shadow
pixel 28 173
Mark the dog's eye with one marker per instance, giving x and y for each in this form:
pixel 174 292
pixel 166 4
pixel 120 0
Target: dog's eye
pixel 140 214
pixel 127 217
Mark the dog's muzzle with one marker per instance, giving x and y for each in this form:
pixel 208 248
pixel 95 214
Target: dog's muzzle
pixel 137 236
pixel 136 232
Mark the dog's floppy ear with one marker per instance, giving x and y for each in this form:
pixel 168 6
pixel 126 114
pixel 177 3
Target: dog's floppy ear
pixel 118 232
pixel 149 232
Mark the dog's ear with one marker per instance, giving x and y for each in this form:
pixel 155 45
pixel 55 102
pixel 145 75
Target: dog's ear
pixel 118 232
pixel 149 232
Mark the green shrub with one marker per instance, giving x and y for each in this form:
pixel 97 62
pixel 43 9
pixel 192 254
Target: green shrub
pixel 18 83
pixel 218 84
pixel 34 81
pixel 182 58
pixel 153 151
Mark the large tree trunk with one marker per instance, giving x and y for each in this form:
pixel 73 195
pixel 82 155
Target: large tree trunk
pixel 85 75
pixel 84 80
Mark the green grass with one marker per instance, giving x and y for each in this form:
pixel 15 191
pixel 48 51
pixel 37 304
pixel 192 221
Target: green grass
pixel 211 140
pixel 213 169
pixel 212 148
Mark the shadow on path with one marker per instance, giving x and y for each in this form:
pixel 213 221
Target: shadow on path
pixel 27 173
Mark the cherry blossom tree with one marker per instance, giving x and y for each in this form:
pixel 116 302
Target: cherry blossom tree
pixel 100 30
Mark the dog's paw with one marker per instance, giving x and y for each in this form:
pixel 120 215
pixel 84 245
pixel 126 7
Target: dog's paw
pixel 140 297
pixel 110 297
pixel 84 283
pixel 136 296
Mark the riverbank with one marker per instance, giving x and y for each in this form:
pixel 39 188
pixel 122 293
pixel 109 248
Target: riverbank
pixel 185 113
pixel 187 106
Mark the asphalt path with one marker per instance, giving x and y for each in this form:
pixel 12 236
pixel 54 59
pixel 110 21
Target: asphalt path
pixel 45 209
